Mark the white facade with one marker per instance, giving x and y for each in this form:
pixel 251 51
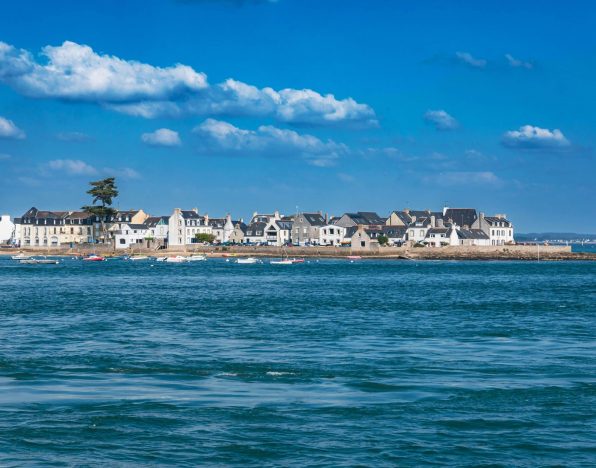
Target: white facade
pixel 417 231
pixel 183 226
pixel 331 234
pixel 129 235
pixel 7 230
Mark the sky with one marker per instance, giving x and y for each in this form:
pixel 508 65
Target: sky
pixel 236 106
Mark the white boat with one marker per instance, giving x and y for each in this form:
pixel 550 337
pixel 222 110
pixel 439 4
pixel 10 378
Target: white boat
pixel 20 257
pixel 176 259
pixel 138 257
pixel 281 262
pixel 160 259
pixel 38 261
pixel 197 258
pixel 248 261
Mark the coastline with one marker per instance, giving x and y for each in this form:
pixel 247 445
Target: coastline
pixel 529 253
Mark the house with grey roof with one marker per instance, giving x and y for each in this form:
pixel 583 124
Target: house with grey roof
pixel 184 225
pixel 38 228
pixel 157 230
pixel 463 217
pixel 129 235
pixel 306 228
pixel 498 228
pixel 360 218
pixel 472 237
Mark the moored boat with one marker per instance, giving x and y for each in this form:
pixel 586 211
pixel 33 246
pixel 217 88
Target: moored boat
pixel 20 257
pixel 176 259
pixel 197 258
pixel 93 258
pixel 281 262
pixel 353 257
pixel 39 261
pixel 248 261
pixel 138 257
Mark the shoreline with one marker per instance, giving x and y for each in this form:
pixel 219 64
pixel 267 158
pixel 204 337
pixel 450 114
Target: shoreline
pixel 527 253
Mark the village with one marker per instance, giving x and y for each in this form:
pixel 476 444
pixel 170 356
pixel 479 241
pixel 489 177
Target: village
pixel 363 231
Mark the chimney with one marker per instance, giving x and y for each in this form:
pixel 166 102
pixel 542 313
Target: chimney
pixel 196 210
pixel 326 218
pixel 206 219
pixel 440 223
pixel 254 214
pixel 432 221
pixel 276 214
pixel 407 211
pixel 228 217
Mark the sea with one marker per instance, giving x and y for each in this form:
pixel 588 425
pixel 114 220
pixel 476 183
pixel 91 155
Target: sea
pixel 326 363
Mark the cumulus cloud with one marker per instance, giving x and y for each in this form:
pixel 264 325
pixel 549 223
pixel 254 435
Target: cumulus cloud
pixel 217 137
pixel 464 178
pixel 9 130
pixel 468 59
pixel 516 63
pixel 75 72
pixel 530 137
pixel 441 120
pixel 72 167
pixel 162 137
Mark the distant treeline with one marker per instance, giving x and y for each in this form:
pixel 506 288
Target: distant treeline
pixel 550 236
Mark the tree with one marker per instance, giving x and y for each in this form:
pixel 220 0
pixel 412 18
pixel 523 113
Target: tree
pixel 103 192
pixel 383 240
pixel 203 237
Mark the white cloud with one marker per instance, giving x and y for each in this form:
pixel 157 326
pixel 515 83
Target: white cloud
pixel 75 72
pixel 9 130
pixel 464 179
pixel 530 137
pixel 5 157
pixel 441 120
pixel 219 137
pixel 468 59
pixel 72 167
pixel 124 173
pixel 162 137
pixel 516 63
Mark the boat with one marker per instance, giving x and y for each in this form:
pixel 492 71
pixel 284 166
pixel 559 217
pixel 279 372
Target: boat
pixel 297 260
pixel 248 261
pixel 176 259
pixel 138 257
pixel 354 257
pixel 160 259
pixel 197 258
pixel 93 258
pixel 281 262
pixel 20 257
pixel 39 261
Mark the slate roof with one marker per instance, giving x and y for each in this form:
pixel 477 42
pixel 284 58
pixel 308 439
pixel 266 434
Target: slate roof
pixel 366 218
pixel 153 221
pixel 189 214
pixel 254 228
pixel 284 224
pixel 394 232
pixel 494 221
pixel 471 234
pixel 314 219
pixel 461 216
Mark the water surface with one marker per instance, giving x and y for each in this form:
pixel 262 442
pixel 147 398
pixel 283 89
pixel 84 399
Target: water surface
pixel 375 363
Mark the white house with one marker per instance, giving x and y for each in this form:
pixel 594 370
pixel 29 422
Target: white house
pixel 256 231
pixel 184 225
pixel 7 229
pixel 332 234
pixel 498 228
pixel 157 229
pixel 441 237
pixel 129 235
pixel 221 228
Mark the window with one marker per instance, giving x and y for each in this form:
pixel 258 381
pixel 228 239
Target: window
pixel 362 244
pixel 122 241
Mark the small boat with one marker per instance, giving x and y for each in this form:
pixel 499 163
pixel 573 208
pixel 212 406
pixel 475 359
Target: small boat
pixel 297 260
pixel 93 258
pixel 248 261
pixel 281 262
pixel 39 261
pixel 354 257
pixel 138 257
pixel 20 257
pixel 176 259
pixel 160 259
pixel 197 258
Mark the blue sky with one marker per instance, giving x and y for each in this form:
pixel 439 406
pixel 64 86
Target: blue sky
pixel 238 106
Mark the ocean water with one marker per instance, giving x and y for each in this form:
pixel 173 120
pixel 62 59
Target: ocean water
pixel 330 363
